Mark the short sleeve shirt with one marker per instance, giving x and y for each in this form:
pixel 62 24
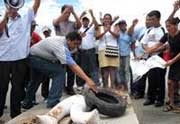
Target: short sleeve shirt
pixel 53 49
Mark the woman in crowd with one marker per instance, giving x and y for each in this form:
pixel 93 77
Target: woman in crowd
pixel 173 39
pixel 106 36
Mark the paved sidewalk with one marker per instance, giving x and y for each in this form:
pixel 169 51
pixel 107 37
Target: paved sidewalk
pixel 153 115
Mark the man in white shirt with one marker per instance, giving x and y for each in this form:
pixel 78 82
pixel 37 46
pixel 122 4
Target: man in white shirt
pixel 14 50
pixel 48 57
pixel 156 76
pixel 87 52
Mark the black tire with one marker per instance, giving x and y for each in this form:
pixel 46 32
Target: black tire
pixel 107 102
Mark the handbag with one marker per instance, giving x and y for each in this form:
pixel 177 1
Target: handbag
pixel 112 51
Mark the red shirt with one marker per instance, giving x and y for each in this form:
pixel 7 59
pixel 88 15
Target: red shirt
pixel 35 38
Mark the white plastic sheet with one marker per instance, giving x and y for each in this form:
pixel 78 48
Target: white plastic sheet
pixel 141 67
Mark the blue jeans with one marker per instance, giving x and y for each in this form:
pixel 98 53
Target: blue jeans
pixel 41 67
pixel 124 70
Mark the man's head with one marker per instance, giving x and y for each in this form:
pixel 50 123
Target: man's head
pixel 122 25
pixel 13 6
pixel 155 16
pixel 66 9
pixel 46 31
pixel 148 22
pixel 85 21
pixel 73 40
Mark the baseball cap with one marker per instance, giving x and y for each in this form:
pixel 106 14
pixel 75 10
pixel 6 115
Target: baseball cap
pixel 122 22
pixel 45 28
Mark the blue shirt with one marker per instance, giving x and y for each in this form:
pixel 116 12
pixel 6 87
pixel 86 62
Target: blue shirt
pixel 124 41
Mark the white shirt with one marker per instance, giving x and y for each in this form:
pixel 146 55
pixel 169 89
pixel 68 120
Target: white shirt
pixel 88 42
pixel 107 39
pixel 17 45
pixel 153 36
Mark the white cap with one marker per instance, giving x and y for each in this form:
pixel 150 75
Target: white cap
pixel 45 28
pixel 14 3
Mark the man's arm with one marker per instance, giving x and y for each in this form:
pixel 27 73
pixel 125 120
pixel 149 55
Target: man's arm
pixel 152 49
pixel 78 22
pixel 94 21
pixel 36 5
pixel 131 28
pixel 76 69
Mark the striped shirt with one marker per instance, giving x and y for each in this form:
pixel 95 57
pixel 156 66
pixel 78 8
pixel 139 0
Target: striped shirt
pixel 53 49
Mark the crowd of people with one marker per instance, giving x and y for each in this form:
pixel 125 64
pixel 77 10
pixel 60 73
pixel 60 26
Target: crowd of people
pixel 73 58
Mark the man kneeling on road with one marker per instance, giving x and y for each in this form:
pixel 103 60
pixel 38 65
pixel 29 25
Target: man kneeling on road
pixel 48 58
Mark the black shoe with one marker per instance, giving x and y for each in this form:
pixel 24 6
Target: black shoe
pixel 70 91
pixel 26 105
pixel 148 102
pixel 158 104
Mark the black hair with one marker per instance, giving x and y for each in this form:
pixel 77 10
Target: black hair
pixel 173 21
pixel 73 36
pixel 155 13
pixel 107 14
pixel 63 8
pixel 85 19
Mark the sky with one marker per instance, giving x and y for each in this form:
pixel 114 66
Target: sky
pixel 125 9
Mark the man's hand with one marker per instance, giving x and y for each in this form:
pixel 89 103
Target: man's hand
pixel 135 21
pixel 176 5
pixel 92 85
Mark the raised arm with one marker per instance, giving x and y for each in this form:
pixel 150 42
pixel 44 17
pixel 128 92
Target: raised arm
pixel 176 6
pixel 94 21
pixel 115 32
pixel 78 22
pixel 36 5
pixel 100 34
pixel 62 17
pixel 131 28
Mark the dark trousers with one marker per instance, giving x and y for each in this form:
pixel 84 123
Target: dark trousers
pixel 14 72
pixel 156 88
pixel 40 68
pixel 87 61
pixel 139 86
